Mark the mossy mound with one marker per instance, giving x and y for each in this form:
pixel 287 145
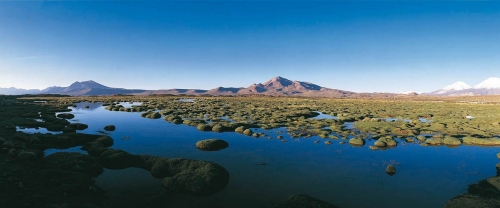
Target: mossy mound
pixel 451 141
pixel 211 144
pixel 435 141
pixel 78 126
pixel 109 127
pixel 179 175
pixel 248 132
pixel 301 201
pixel 194 177
pixel 357 141
pixel 151 115
pixel 76 162
pixel 387 141
pixel 390 170
pixel 65 115
pixel 203 127
pixel 481 141
pixel 240 129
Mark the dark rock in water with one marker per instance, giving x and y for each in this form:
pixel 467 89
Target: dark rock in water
pixel 390 170
pixel 65 115
pixel 109 128
pixel 76 162
pixel 304 201
pixel 211 144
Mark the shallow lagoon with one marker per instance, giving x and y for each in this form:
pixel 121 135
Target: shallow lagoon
pixel 341 174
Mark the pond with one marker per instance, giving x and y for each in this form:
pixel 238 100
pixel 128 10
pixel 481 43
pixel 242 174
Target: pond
pixel 338 173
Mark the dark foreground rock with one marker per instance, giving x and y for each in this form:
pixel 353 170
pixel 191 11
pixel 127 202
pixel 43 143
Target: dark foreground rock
pixel 211 144
pixel 304 201
pixel 484 194
pixel 472 201
pixel 179 175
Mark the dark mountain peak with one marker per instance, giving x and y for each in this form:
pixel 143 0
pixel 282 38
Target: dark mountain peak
pixel 86 85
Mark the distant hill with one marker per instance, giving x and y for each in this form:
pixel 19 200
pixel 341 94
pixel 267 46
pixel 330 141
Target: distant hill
pixel 85 88
pixel 17 91
pixel 277 86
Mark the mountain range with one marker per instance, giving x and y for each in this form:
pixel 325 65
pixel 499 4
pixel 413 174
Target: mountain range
pixel 490 86
pixel 277 86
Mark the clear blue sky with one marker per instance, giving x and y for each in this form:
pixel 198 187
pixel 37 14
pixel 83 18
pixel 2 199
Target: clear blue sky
pixel 363 46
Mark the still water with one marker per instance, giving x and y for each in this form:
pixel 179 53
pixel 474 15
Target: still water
pixel 339 173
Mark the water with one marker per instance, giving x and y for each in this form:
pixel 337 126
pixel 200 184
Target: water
pixel 324 116
pixel 341 174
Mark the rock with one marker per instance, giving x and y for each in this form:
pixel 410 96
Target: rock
pixel 498 169
pixel 373 147
pixel 328 142
pixel 356 141
pixel 110 128
pixel 390 170
pixel 498 155
pixel 211 144
pixel 304 201
pixel 255 135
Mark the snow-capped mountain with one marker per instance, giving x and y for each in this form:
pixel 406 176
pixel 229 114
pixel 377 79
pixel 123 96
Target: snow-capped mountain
pixel 490 83
pixel 457 86
pixel 490 86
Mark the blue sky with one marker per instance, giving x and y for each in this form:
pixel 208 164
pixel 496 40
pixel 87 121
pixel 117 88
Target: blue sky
pixel 361 46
